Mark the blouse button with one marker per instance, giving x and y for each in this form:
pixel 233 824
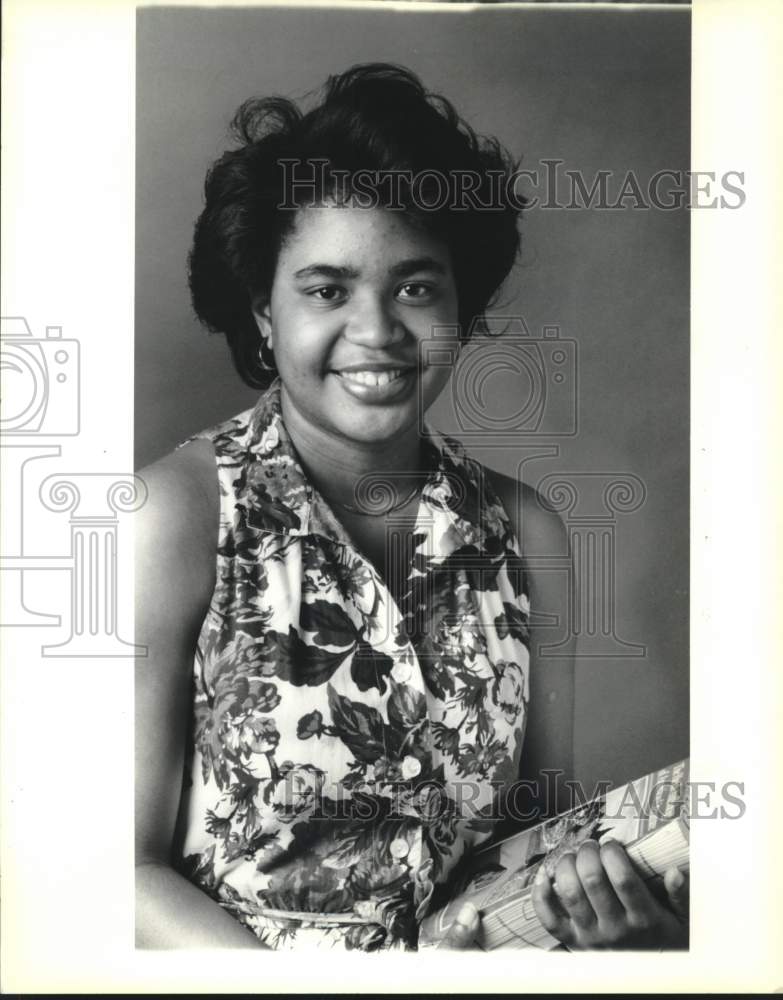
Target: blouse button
pixel 399 848
pixel 410 767
pixel 402 672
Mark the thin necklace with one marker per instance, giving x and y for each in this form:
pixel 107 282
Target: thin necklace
pixel 379 513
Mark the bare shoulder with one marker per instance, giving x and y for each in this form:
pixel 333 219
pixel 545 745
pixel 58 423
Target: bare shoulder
pixel 183 481
pixel 539 527
pixel 177 528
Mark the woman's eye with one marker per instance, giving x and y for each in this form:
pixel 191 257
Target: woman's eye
pixel 414 290
pixel 327 293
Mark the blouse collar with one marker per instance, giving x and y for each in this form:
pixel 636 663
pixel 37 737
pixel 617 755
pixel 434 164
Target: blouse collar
pixel 285 501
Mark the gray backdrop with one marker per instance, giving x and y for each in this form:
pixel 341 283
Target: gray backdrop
pixel 601 90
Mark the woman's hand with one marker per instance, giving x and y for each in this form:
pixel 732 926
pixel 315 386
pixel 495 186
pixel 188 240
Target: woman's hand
pixel 600 901
pixel 462 932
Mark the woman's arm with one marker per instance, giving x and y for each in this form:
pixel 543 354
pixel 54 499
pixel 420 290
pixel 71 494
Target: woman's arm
pixel 176 535
pixel 547 754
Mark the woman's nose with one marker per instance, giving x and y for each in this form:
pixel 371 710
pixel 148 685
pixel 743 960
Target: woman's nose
pixel 374 324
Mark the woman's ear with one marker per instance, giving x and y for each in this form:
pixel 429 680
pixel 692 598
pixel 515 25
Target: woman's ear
pixel 260 307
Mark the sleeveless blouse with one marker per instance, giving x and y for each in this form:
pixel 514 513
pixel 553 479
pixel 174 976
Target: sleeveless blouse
pixel 350 737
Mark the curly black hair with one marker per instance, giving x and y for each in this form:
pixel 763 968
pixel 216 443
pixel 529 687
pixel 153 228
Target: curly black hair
pixel 374 119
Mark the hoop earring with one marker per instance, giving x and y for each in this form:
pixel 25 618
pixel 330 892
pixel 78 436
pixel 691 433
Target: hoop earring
pixel 266 357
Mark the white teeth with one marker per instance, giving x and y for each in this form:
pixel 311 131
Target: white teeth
pixel 373 378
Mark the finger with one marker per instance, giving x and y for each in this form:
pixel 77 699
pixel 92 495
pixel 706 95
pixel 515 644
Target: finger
pixel 569 889
pixel 548 907
pixel 629 887
pixel 677 885
pixel 595 882
pixel 464 929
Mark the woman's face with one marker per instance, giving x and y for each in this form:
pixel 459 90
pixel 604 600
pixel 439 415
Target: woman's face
pixel 354 294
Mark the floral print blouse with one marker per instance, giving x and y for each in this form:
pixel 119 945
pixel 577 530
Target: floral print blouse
pixel 350 737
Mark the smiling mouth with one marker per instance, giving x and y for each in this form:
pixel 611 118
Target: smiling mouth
pixel 372 378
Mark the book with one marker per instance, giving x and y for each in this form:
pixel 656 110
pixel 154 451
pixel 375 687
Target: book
pixel 649 816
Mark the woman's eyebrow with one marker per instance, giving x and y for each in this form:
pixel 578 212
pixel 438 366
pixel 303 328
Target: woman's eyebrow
pixel 411 266
pixel 327 271
pixel 402 269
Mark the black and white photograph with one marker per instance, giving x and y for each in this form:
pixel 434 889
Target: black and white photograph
pixel 369 528
pixel 432 547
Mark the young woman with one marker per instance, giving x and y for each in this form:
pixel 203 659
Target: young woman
pixel 334 597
